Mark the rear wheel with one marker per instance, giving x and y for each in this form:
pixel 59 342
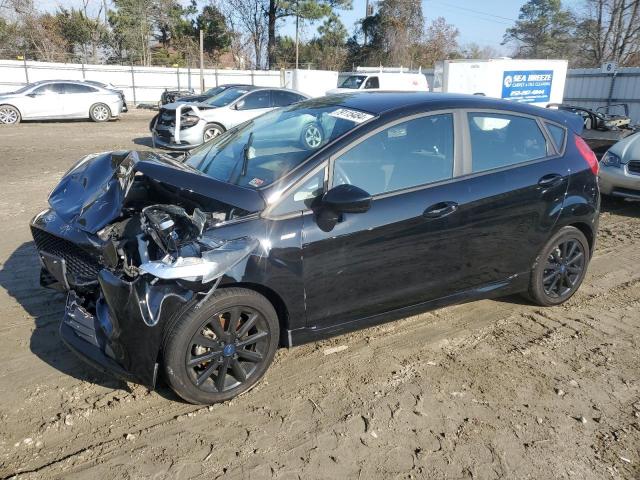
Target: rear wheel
pixel 99 112
pixel 222 349
pixel 212 131
pixel 9 115
pixel 311 136
pixel 560 267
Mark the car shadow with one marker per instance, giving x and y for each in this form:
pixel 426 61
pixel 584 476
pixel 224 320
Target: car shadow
pixel 143 141
pixel 620 206
pixel 19 276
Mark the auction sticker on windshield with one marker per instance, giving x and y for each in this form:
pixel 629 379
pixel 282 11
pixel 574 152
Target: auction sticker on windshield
pixel 353 115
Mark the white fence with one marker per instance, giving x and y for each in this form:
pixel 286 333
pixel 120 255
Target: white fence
pixel 140 84
pixel 589 87
pixel 586 87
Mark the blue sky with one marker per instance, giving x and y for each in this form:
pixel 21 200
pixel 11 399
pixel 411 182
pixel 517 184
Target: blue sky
pixel 482 22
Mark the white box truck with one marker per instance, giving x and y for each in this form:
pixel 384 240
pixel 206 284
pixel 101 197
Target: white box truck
pixel 539 82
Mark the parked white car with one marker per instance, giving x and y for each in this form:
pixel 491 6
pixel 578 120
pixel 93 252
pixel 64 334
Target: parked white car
pixel 381 81
pixel 182 126
pixel 60 99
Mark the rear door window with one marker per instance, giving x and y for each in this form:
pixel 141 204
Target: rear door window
pixel 255 100
pixel 281 98
pixel 499 140
pixel 75 88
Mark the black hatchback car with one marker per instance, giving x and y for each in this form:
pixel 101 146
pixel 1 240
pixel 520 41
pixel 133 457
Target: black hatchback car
pixel 200 268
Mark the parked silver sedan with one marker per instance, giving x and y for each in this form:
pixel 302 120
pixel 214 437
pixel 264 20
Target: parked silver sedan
pixel 620 169
pixel 59 99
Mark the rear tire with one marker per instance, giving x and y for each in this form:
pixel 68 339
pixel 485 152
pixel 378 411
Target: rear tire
pixel 559 268
pixel 9 115
pixel 222 349
pixel 99 112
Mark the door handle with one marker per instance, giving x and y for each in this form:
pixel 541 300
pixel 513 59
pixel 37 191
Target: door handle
pixel 440 209
pixel 551 180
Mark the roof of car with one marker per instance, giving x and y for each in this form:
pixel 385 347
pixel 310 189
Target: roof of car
pixel 384 103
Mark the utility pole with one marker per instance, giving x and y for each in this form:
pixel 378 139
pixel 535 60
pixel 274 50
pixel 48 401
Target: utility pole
pixel 366 15
pixel 297 25
pixel 201 61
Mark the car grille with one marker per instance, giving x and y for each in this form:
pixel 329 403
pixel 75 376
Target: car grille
pixel 634 167
pixel 81 266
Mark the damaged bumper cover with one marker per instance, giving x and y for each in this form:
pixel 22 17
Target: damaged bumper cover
pixel 126 312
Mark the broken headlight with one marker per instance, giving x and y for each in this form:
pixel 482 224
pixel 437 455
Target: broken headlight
pixel 215 259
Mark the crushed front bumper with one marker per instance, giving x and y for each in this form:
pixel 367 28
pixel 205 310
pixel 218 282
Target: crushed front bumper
pixel 122 331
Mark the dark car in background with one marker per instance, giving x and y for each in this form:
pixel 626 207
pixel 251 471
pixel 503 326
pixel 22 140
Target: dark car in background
pixel 212 92
pixel 199 269
pixel 170 96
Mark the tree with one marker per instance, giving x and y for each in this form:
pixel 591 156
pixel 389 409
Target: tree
pixel 249 15
pixel 213 23
pixel 440 43
pixel 131 30
pixel 543 30
pixel 276 10
pixel 610 31
pixel 83 35
pixel 401 29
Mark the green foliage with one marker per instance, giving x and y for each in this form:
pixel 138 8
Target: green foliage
pixel 213 23
pixel 544 30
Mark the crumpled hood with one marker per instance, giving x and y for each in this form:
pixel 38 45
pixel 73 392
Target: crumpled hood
pixel 91 194
pixel 628 148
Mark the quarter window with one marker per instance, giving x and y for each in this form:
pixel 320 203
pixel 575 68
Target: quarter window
pixel 303 196
pixel 557 133
pixel 499 140
pixel 405 155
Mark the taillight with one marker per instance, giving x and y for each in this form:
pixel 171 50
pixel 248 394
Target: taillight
pixel 587 154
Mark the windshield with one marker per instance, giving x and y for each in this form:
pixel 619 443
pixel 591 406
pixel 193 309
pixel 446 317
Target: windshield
pixel 261 151
pixel 226 97
pixel 353 81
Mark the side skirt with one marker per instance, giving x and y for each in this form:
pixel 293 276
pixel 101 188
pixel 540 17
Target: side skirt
pixel 516 284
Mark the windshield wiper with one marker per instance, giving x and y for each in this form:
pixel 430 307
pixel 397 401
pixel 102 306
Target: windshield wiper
pixel 245 155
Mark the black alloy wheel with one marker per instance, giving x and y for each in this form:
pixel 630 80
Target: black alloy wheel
pixel 227 349
pixel 560 267
pixel 563 269
pixel 220 349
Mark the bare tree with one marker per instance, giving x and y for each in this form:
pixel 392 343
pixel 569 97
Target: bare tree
pixel 249 15
pixel 610 30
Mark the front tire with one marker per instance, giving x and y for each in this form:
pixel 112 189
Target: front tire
pixel 312 136
pixel 222 349
pixel 9 115
pixel 559 268
pixel 211 131
pixel 99 112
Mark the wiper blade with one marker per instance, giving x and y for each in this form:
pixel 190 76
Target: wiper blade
pixel 245 155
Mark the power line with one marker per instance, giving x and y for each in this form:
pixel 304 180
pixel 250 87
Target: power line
pixel 475 11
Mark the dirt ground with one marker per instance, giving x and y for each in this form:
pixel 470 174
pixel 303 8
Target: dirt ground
pixel 491 389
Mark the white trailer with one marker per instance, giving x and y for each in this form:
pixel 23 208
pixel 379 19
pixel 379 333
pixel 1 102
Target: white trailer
pixel 539 82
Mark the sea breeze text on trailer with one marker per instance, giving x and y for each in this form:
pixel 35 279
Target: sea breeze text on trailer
pixel 534 77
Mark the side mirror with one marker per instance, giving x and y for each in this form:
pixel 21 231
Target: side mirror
pixel 347 199
pixel 32 95
pixel 239 105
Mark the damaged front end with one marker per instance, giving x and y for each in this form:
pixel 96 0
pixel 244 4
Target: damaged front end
pixel 133 239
